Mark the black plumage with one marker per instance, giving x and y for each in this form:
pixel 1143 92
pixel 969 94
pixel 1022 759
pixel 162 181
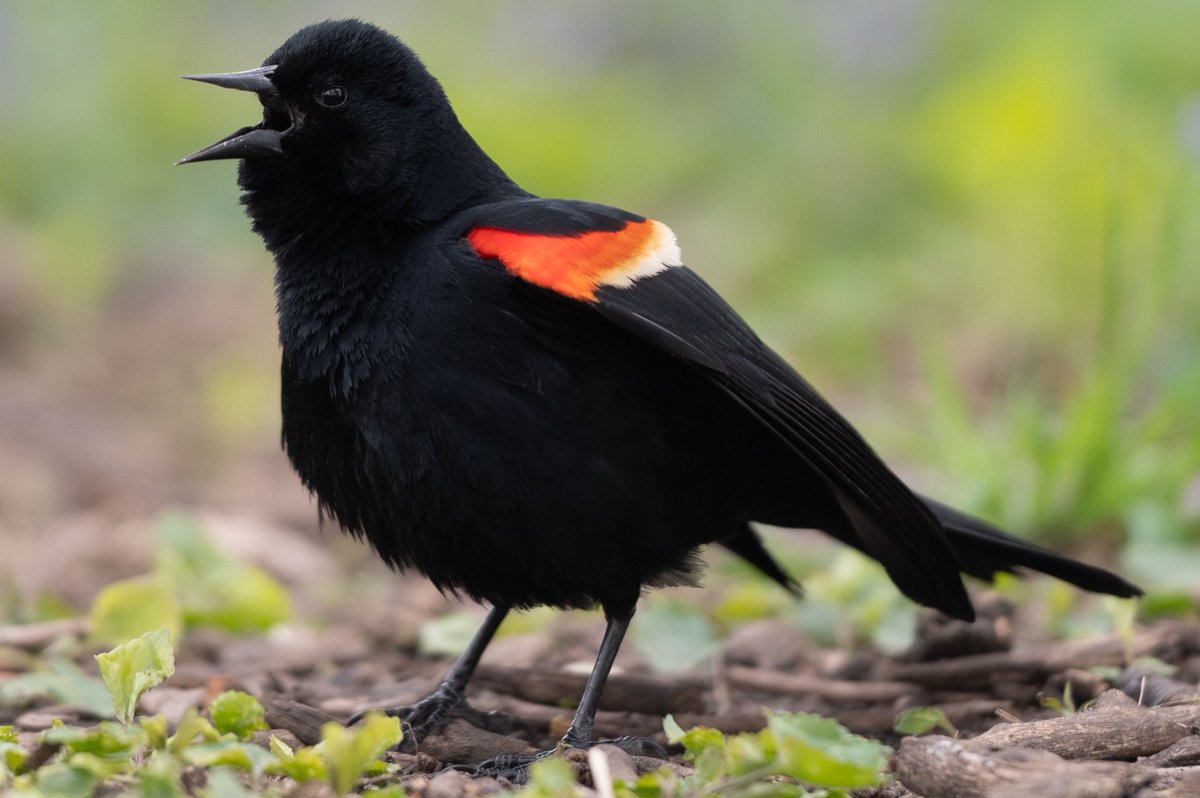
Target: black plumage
pixel 527 427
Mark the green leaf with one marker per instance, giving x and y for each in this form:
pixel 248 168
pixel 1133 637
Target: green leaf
pixel 156 730
pixel 673 634
pixel 303 765
pixel 671 728
pixel 106 740
pixel 134 667
pixel 918 720
pixel 62 682
pixel 279 748
pixel 749 751
pixel 694 740
pixel 213 589
pixel 350 752
pixel 240 598
pixel 819 751
pixel 224 783
pixel 99 766
pixel 390 791
pixel 648 785
pixel 446 635
pixel 12 757
pixel 191 726
pixel 65 780
pixel 552 777
pixel 750 600
pixel 131 607
pixel 248 757
pixel 237 713
pixel 159 777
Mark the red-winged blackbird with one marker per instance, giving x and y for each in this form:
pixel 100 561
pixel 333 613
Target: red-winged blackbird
pixel 532 401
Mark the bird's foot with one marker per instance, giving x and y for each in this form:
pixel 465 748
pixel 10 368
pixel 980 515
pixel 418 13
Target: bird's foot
pixel 432 713
pixel 515 767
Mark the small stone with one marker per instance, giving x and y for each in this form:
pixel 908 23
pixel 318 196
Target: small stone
pixel 447 784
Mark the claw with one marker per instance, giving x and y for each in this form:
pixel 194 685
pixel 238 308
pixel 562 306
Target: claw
pixel 515 767
pixel 510 767
pixel 429 715
pixel 638 746
pixel 421 719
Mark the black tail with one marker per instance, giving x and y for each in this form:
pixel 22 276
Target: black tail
pixel 985 551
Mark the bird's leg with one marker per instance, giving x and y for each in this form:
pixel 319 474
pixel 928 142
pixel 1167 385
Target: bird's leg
pixel 579 734
pixel 449 699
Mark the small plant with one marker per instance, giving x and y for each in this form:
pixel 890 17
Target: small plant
pixel 919 720
pixel 142 759
pixel 193 584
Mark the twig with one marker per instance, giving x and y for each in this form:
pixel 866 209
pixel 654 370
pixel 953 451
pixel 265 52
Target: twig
pixel 806 684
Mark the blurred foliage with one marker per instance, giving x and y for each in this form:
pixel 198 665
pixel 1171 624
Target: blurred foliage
pixel 813 750
pixel 193 584
pixel 140 758
pixel 972 225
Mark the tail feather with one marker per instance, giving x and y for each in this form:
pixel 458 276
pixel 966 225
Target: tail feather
pixel 985 551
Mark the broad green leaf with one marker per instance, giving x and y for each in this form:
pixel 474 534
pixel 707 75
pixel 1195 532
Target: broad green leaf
pixel 241 598
pixel 213 589
pixel 100 767
pixel 350 752
pixel 447 635
pixel 64 780
pixel 918 720
pixel 134 667
pixel 107 740
pixel 131 607
pixel 230 753
pixel 223 782
pixel 62 682
pixel 673 634
pixel 237 713
pixel 551 777
pixel 819 751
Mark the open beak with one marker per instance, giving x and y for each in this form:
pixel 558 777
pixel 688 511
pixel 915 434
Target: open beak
pixel 249 142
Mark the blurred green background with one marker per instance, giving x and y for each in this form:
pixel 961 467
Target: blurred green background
pixel 974 226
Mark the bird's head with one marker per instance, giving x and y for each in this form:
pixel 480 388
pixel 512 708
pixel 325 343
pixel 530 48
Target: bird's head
pixel 346 106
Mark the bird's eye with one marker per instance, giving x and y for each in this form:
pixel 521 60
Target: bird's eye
pixel 332 96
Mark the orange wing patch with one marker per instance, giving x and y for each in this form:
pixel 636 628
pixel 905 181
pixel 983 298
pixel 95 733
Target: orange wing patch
pixel 578 265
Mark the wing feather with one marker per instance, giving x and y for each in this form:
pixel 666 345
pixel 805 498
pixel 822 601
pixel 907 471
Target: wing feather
pixel 678 312
pixel 666 305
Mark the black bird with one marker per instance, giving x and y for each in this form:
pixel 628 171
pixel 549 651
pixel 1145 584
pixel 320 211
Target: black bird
pixel 532 401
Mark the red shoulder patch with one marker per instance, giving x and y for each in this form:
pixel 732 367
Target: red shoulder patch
pixel 577 265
